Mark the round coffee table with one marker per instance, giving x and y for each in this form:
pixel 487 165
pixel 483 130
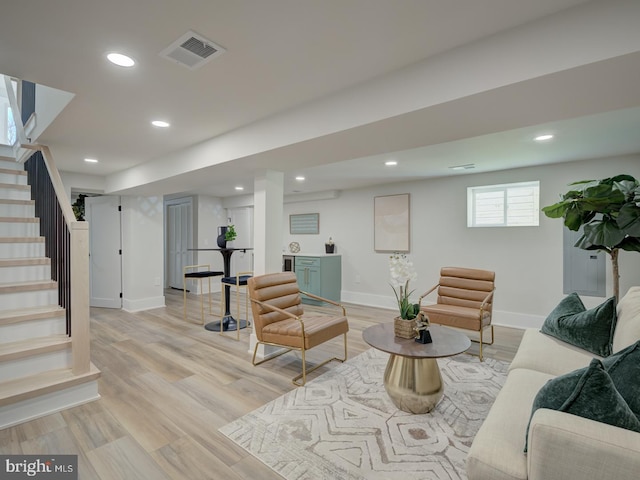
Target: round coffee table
pixel 412 378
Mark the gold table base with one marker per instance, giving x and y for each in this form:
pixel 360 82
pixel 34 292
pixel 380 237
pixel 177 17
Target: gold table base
pixel 413 384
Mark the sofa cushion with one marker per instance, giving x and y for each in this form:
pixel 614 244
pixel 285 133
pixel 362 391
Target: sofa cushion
pixel 591 329
pixel 590 393
pixel 496 452
pixel 628 324
pixel 624 369
pixel 548 354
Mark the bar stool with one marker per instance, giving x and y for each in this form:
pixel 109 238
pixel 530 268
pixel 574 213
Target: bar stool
pixel 199 275
pixel 239 280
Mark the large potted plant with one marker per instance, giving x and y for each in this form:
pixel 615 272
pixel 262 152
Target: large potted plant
pixel 609 212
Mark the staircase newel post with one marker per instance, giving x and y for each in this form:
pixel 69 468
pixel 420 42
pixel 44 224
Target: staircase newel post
pixel 80 297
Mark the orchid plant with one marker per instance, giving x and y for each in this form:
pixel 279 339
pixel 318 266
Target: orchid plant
pixel 402 272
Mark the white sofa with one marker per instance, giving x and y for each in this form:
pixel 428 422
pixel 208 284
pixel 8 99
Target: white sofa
pixel 561 446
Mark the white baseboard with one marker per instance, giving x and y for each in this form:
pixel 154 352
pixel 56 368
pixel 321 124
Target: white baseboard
pixel 141 304
pixel 33 408
pixel 517 320
pixel 500 317
pixel 369 300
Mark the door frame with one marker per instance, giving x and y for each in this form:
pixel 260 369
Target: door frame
pixel 93 222
pixel 169 203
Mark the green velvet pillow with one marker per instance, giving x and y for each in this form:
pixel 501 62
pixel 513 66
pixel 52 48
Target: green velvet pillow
pixel 624 369
pixel 587 392
pixel 591 330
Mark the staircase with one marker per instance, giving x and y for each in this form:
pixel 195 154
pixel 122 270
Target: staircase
pixel 37 374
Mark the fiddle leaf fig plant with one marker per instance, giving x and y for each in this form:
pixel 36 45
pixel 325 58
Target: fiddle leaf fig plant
pixel 609 212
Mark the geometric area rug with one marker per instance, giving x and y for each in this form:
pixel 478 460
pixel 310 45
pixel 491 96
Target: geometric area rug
pixel 342 425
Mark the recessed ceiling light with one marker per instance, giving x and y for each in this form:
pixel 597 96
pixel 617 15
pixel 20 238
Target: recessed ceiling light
pixel 91 160
pixel 467 166
pixel 121 60
pixel 300 178
pixel 160 123
pixel 239 188
pixel 542 138
pixel 390 163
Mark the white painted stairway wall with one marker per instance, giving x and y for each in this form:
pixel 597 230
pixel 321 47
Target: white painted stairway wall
pixel 35 352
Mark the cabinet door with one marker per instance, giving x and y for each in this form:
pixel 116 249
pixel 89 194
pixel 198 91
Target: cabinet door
pixel 309 279
pixel 314 281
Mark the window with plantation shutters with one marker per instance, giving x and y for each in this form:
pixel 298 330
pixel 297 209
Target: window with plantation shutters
pixel 508 205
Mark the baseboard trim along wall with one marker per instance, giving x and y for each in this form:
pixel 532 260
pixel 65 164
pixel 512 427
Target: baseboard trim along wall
pixel 502 318
pixel 141 304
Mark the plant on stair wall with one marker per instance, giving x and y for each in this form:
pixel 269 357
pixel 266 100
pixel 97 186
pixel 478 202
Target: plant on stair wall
pixel 78 207
pixel 609 211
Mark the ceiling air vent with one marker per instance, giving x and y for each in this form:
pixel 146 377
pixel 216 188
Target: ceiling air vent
pixel 192 50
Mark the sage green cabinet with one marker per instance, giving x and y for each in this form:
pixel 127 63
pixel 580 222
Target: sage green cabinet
pixel 319 275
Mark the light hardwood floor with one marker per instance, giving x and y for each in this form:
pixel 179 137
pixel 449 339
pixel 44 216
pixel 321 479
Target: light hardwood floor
pixel 167 386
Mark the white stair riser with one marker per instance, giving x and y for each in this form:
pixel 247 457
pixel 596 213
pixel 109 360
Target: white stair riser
pixel 13 178
pixel 11 210
pixel 19 229
pixel 38 298
pixel 14 194
pixel 21 250
pixel 14 332
pixel 23 367
pixel 11 165
pixel 33 408
pixel 25 273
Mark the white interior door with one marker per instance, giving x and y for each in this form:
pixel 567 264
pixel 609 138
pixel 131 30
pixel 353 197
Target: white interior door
pixel 178 241
pixel 105 265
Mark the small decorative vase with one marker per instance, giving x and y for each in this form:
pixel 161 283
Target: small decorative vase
pixel 222 237
pixel 404 328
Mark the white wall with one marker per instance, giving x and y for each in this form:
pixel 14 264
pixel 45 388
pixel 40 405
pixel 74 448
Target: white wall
pixel 142 253
pixel 210 215
pixel 81 182
pixel 527 260
pixel 49 104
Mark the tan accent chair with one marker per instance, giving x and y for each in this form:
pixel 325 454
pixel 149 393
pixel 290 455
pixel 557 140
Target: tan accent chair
pixel 465 300
pixel 276 304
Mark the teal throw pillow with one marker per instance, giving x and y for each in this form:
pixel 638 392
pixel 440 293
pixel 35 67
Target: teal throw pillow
pixel 624 369
pixel 591 330
pixel 587 392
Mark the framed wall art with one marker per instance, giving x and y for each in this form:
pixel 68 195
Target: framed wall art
pixel 391 223
pixel 304 223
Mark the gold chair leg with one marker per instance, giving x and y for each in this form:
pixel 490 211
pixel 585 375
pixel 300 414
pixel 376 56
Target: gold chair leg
pixel 238 312
pixel 481 342
pixel 305 371
pixel 303 375
pixel 255 351
pixel 210 312
pixel 201 302
pixel 184 298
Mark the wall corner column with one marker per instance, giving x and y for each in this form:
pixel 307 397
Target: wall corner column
pixel 268 211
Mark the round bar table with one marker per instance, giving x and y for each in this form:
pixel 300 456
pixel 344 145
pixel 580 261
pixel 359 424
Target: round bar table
pixel 228 323
pixel 412 378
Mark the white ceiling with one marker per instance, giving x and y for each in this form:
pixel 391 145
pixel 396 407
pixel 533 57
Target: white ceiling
pixel 281 54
